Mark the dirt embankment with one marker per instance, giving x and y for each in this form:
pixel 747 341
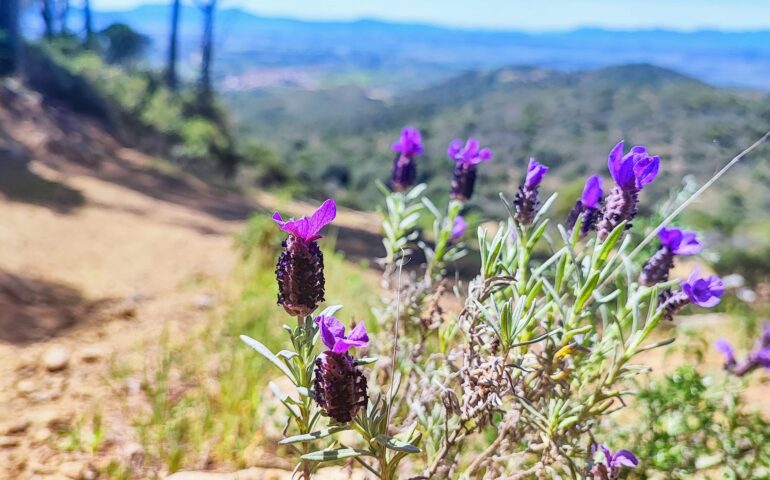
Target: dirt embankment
pixel 100 250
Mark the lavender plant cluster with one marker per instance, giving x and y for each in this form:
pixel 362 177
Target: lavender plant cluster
pixel 507 375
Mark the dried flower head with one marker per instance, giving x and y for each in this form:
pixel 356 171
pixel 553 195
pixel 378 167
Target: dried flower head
pixel 631 172
pixel 404 168
pixel 466 159
pixel 300 268
pixel 526 200
pixel 339 386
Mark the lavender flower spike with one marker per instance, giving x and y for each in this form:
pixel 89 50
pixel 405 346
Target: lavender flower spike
pixel 466 159
pixel 613 463
pixel 339 386
pixel 758 357
pixel 673 241
pixel 300 268
pixel 726 349
pixel 589 205
pixel 704 292
pixel 404 167
pixel 631 172
pixel 458 228
pixel 526 200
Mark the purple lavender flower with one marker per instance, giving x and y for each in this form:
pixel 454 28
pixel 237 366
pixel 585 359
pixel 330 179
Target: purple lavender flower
pixel 526 200
pixel 404 167
pixel 458 228
pixel 726 349
pixel 589 205
pixel 613 463
pixel 758 357
pixel 673 241
pixel 631 172
pixel 333 334
pixel 466 159
pixel 300 268
pixel 704 292
pixel 340 387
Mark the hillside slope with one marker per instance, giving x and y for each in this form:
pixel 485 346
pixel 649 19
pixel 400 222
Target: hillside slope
pixel 566 120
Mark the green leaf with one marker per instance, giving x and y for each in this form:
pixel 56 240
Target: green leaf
pixel 336 454
pixel 365 361
pixel 265 352
pixel 608 244
pixel 587 291
pixel 396 444
pixel 309 437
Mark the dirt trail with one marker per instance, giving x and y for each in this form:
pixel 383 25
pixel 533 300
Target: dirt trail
pixel 97 255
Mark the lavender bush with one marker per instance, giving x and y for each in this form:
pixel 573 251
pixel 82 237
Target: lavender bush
pixel 507 375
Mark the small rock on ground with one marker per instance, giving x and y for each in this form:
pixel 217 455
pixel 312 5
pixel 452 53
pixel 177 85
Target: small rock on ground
pixel 56 358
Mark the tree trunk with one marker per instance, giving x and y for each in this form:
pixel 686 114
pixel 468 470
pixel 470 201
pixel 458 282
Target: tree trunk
pixel 173 46
pixel 64 11
pixel 9 36
pixel 46 11
pixel 87 22
pixel 207 47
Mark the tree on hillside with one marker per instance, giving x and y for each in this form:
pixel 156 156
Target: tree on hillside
pixel 63 10
pixel 122 44
pixel 47 13
pixel 87 22
pixel 9 36
pixel 173 46
pixel 208 8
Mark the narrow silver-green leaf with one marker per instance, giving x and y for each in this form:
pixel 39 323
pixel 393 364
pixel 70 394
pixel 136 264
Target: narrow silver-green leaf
pixel 265 352
pixel 309 437
pixel 396 444
pixel 336 454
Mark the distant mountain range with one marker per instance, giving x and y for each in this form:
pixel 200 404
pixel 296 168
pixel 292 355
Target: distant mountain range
pixel 409 56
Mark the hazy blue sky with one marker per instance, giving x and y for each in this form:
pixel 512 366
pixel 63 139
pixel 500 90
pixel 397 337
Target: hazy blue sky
pixel 518 14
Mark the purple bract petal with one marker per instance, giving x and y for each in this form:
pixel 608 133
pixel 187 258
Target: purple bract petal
pixel 592 192
pixel 624 458
pixel 634 170
pixel 680 242
pixel 331 329
pixel 725 348
pixel 458 228
pixel 410 143
pixel 307 228
pixel 704 292
pixel 333 334
pixel 535 173
pixel 470 154
pixel 607 454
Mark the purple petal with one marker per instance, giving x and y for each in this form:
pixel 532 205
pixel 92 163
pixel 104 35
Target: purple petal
pixel 471 149
pixel 331 330
pixel 624 458
pixel 762 357
pixel 607 454
pixel 592 192
pixel 358 334
pixel 689 244
pixel 670 237
pixel 485 155
pixel 615 160
pixel 454 148
pixel 458 228
pixel 725 348
pixel 535 173
pixel 298 228
pixel 645 170
pixel 410 143
pixel 765 339
pixel 322 217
